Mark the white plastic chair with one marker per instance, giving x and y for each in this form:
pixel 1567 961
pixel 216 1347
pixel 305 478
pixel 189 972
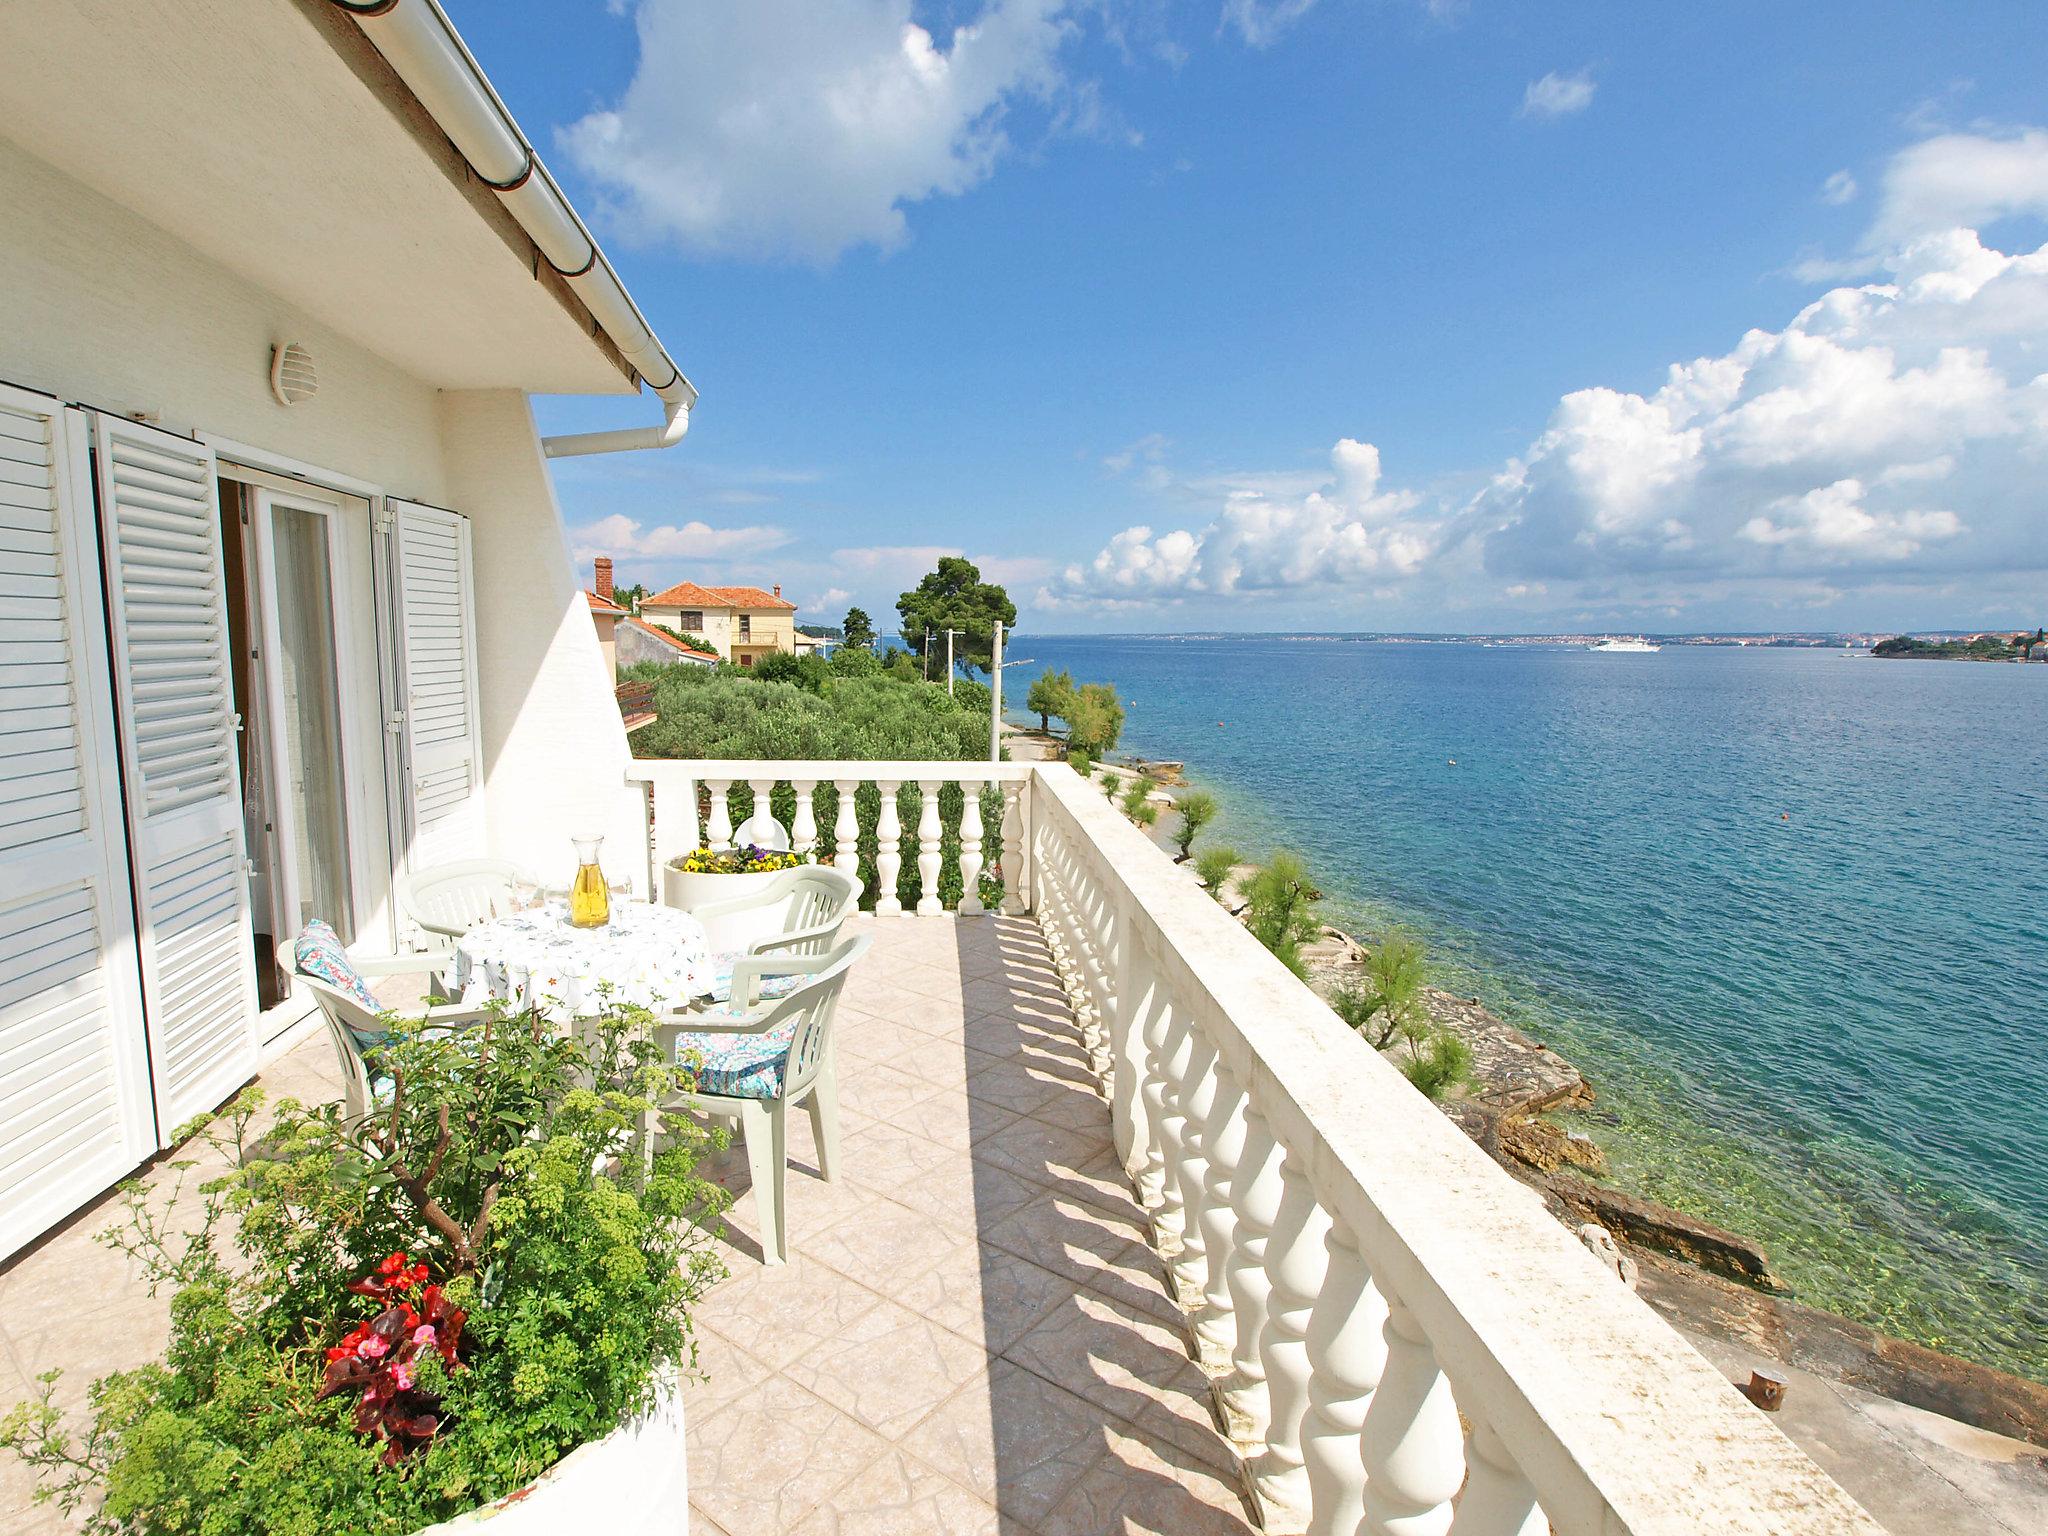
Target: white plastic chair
pixel 450 899
pixel 354 1029
pixel 757 1061
pixel 818 898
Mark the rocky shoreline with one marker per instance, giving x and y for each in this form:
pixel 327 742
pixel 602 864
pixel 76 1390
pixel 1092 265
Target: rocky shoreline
pixel 1705 1279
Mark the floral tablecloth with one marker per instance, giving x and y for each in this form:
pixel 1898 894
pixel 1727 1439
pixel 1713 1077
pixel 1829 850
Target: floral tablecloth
pixel 654 957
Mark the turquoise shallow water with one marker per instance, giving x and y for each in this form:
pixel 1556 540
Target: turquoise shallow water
pixel 1787 909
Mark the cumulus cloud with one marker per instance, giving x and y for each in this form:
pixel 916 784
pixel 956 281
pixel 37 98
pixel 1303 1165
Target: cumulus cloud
pixel 625 538
pixel 1855 439
pixel 1557 95
pixel 800 128
pixel 1347 531
pixel 1961 180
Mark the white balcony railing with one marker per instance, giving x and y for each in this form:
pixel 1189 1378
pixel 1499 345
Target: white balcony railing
pixel 1400 1339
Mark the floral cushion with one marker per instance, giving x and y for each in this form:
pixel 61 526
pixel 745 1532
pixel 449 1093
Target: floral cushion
pixel 766 988
pixel 738 1066
pixel 319 953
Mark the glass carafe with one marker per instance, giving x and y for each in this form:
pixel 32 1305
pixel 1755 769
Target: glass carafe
pixel 590 902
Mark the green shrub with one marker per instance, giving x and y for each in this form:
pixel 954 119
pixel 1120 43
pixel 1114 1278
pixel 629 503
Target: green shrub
pixel 1197 809
pixel 1052 693
pixel 1280 914
pixel 562 1275
pixel 1095 718
pixel 1137 803
pixel 1388 1003
pixel 1080 762
pixel 1213 869
pixel 1438 1064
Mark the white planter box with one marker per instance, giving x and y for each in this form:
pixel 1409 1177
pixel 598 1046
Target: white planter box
pixel 691 891
pixel 633 1482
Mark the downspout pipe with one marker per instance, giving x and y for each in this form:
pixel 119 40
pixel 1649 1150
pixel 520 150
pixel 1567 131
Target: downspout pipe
pixel 418 41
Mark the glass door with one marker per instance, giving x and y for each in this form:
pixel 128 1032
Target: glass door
pixel 302 689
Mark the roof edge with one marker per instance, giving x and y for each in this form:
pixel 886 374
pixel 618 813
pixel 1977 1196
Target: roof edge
pixel 441 76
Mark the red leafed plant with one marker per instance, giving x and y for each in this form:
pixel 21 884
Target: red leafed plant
pixel 379 1358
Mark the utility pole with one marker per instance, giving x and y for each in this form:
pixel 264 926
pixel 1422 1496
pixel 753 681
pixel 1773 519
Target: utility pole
pixel 949 659
pixel 926 658
pixel 995 693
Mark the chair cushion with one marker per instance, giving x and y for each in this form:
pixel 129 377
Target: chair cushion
pixel 318 952
pixel 738 1066
pixel 767 988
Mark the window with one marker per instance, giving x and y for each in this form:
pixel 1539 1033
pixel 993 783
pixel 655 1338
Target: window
pixel 746 627
pixel 746 661
pixel 691 621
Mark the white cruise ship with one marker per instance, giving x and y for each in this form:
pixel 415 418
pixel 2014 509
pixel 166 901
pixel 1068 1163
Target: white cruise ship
pixel 1631 643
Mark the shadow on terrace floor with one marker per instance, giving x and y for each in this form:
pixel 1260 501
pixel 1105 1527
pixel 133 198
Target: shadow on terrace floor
pixel 970 1334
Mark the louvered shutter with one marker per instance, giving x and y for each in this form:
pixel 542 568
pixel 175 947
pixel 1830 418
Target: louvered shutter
pixel 74 1082
pixel 444 778
pixel 160 523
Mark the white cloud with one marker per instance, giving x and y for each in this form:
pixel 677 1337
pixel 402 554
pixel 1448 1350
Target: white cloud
pixel 1260 22
pixel 1838 189
pixel 1961 180
pixel 1832 520
pixel 1853 440
pixel 626 538
pixel 800 128
pixel 1345 532
pixel 1557 95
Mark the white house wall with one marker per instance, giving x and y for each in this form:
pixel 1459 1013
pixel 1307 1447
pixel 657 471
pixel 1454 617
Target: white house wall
pixel 555 752
pixel 102 308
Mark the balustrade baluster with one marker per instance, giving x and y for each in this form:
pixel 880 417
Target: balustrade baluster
pixel 929 853
pixel 1296 1261
pixel 846 828
pixel 1414 1448
pixel 1498 1500
pixel 888 852
pixel 803 827
pixel 1255 1198
pixel 1223 1136
pixel 970 850
pixel 763 789
pixel 1134 982
pixel 1347 1354
pixel 718 832
pixel 1190 1075
pixel 1159 1188
pixel 1016 848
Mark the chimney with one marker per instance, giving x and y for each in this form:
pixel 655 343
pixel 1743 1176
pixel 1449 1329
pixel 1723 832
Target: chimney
pixel 778 589
pixel 604 577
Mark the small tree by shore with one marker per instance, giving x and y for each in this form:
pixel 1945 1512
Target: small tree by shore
pixel 1197 809
pixel 1438 1064
pixel 1213 869
pixel 1137 802
pixel 1052 693
pixel 1388 1003
pixel 1281 912
pixel 1095 719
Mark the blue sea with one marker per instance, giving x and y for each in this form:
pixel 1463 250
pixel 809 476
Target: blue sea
pixel 1787 909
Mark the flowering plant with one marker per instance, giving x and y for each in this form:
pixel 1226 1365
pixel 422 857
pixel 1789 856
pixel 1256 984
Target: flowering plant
pixel 752 859
pixel 384 1358
pixel 529 1254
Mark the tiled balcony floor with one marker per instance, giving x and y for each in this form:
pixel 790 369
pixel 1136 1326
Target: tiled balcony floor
pixel 970 1334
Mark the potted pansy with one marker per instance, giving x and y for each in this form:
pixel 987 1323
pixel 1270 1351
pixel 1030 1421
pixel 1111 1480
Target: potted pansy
pixel 711 877
pixel 471 1304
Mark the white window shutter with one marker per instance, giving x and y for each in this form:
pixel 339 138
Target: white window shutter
pixel 444 749
pixel 160 524
pixel 74 1080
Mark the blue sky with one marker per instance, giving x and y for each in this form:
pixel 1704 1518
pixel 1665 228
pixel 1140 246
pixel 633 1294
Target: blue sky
pixel 1322 315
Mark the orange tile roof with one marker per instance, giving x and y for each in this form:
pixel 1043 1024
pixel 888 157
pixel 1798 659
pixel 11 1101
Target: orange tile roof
pixel 670 640
pixel 687 594
pixel 599 605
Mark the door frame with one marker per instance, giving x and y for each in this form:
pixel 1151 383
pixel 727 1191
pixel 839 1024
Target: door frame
pixel 262 501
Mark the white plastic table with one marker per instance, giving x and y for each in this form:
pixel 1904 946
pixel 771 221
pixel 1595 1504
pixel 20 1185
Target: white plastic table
pixel 649 956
